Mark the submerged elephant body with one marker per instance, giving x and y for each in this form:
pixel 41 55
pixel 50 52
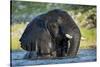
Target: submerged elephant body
pixel 46 34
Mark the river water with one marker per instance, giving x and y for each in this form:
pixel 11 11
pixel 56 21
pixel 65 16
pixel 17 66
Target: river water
pixel 84 55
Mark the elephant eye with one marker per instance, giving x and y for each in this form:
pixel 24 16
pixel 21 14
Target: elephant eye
pixel 54 26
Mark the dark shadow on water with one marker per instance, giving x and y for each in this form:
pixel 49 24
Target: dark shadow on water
pixel 84 55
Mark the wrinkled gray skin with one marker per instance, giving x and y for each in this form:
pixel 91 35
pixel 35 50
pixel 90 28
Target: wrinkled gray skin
pixel 41 33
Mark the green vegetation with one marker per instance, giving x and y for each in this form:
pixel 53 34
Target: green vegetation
pixel 23 12
pixel 16 31
pixel 88 39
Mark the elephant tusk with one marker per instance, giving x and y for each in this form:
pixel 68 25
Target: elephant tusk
pixel 50 45
pixel 68 36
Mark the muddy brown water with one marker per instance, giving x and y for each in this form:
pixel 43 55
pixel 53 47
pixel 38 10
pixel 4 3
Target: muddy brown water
pixel 84 55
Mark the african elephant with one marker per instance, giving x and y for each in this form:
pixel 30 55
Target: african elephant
pixel 49 33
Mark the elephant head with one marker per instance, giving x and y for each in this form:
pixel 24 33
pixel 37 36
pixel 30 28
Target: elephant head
pixel 68 28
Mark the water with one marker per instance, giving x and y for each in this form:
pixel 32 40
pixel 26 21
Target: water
pixel 84 55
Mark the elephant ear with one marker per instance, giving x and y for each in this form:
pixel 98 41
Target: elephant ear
pixel 32 33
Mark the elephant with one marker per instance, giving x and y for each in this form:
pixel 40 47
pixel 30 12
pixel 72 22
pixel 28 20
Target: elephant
pixel 52 34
